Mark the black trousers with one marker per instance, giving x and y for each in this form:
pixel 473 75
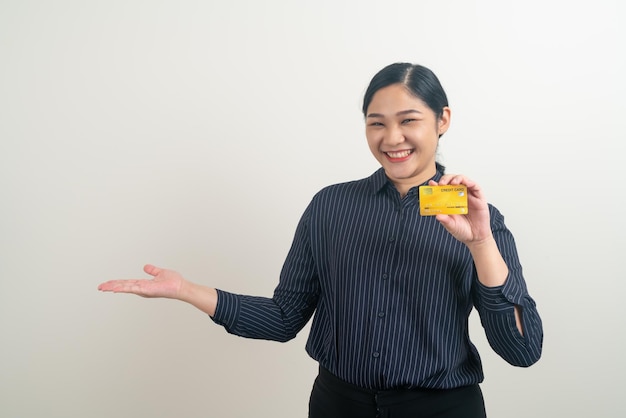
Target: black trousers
pixel 333 398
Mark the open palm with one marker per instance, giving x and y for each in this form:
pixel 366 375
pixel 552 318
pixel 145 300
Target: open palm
pixel 164 284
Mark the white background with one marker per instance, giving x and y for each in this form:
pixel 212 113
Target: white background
pixel 192 135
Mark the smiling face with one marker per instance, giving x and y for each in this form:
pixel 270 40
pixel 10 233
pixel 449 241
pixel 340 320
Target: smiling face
pixel 402 133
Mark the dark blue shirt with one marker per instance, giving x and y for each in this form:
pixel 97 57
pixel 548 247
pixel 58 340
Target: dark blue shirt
pixel 391 291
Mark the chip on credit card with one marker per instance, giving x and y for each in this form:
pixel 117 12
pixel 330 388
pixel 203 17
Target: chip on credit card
pixel 449 200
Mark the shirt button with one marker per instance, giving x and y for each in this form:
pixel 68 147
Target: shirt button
pixel 381 314
pixel 392 239
pixel 375 354
pixel 385 276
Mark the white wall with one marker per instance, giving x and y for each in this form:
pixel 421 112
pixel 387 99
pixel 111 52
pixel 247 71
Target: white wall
pixel 192 134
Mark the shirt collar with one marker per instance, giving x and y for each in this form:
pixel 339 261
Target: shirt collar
pixel 379 180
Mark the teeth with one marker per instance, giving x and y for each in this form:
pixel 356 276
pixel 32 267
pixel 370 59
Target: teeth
pixel 399 154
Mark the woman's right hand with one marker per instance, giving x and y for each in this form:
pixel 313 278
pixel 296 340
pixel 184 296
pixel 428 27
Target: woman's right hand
pixel 164 284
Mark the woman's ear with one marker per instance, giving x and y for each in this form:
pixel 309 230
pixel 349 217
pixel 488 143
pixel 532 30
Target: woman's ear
pixel 444 121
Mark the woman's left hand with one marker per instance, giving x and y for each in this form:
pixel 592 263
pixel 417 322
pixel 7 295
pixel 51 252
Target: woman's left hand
pixel 473 227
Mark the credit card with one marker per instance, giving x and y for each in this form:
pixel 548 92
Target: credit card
pixel 448 200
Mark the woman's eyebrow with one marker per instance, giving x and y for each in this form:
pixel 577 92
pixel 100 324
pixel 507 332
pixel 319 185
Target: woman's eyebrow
pixel 400 113
pixel 406 112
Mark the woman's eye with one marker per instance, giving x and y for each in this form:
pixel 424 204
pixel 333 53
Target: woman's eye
pixel 376 124
pixel 405 121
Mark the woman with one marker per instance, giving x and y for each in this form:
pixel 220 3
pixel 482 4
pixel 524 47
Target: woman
pixel 391 290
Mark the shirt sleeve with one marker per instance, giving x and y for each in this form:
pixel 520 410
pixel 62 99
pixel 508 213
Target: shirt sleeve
pixel 496 305
pixel 281 317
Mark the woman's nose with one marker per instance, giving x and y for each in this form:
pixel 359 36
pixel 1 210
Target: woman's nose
pixel 393 136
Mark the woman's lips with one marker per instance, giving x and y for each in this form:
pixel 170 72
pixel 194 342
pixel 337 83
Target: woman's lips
pixel 398 156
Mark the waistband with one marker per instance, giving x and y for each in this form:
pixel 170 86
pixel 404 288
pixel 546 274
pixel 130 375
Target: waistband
pixel 379 397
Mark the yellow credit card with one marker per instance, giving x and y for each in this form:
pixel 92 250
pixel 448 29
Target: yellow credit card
pixel 448 200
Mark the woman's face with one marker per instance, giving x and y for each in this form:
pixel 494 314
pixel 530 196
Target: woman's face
pixel 402 133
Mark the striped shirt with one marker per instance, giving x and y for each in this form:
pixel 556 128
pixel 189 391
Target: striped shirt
pixel 391 292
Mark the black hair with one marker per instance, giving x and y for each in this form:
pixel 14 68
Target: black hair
pixel 419 81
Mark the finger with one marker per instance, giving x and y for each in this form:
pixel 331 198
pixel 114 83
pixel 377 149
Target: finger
pixel 121 286
pixel 451 224
pixel 474 189
pixel 445 220
pixel 456 179
pixel 152 270
pixel 445 179
pixel 108 286
pixel 453 179
pixel 460 179
pixel 471 184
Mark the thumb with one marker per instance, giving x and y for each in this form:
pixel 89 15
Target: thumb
pixel 445 220
pixel 152 270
